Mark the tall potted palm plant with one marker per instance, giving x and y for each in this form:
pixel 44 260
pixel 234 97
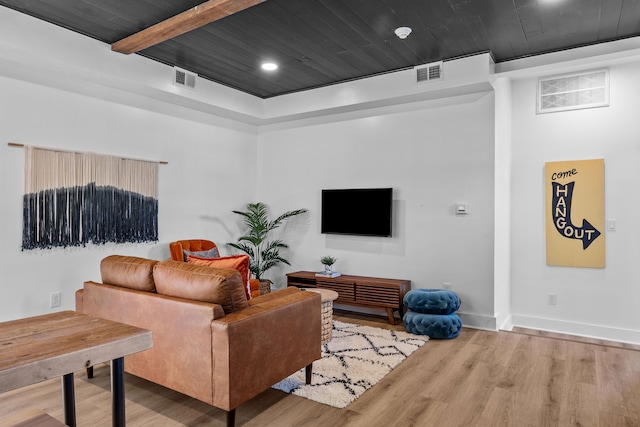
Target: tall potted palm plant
pixel 264 253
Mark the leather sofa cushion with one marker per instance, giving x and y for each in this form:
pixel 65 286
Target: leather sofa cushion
pixel 237 262
pixel 128 272
pixel 214 285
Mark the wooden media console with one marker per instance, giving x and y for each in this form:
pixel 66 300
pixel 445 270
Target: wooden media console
pixel 362 291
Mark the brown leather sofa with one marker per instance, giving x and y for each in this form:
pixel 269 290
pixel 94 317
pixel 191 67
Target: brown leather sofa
pixel 209 342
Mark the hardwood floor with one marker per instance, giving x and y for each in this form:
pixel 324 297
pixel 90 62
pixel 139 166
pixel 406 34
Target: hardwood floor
pixel 480 379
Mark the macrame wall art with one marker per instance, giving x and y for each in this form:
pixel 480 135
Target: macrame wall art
pixel 73 199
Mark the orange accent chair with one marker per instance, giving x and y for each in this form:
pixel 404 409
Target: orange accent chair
pixel 193 245
pixel 197 245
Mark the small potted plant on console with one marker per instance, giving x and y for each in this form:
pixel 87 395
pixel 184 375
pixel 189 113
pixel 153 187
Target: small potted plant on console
pixel 328 262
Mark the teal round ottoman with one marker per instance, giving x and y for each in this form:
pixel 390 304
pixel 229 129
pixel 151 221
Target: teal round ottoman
pixel 436 326
pixel 432 301
pixel 432 312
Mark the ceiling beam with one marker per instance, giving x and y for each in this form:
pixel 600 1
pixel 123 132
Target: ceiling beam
pixel 184 22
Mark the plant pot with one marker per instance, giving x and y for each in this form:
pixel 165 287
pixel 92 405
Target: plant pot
pixel 265 286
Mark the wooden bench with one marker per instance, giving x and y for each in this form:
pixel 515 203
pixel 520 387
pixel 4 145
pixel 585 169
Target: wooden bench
pixel 30 418
pixel 373 292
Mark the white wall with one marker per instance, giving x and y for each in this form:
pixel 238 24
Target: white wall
pixel 593 302
pixel 434 155
pixel 211 171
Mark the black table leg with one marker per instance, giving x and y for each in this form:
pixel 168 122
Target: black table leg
pixel 117 392
pixel 69 400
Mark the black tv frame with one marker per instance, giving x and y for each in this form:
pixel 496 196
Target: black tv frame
pixel 357 211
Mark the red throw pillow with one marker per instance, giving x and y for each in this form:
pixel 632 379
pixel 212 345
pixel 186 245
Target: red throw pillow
pixel 238 262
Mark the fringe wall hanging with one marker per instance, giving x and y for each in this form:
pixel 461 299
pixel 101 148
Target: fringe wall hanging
pixel 72 199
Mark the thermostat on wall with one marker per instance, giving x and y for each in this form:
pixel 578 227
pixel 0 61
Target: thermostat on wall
pixel 462 209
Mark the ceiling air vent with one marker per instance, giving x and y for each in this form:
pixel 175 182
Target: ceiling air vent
pixel 429 72
pixel 184 78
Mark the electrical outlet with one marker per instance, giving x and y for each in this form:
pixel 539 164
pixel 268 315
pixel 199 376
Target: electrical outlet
pixel 552 299
pixel 447 286
pixel 55 299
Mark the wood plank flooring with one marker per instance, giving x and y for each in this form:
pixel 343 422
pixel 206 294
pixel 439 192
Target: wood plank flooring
pixel 479 379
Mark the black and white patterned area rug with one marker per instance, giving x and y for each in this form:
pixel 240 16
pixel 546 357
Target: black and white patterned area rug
pixel 355 359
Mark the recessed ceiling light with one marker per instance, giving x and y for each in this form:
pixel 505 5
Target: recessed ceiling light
pixel 403 32
pixel 269 66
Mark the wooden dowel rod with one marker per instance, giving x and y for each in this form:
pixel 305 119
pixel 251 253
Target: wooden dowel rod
pixel 15 144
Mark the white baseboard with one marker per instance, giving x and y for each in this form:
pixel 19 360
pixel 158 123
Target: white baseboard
pixel 629 336
pixel 478 321
pixel 505 324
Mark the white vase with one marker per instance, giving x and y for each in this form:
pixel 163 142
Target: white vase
pixel 328 269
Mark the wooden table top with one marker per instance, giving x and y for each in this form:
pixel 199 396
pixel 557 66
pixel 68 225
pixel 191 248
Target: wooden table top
pixel 43 347
pixel 325 294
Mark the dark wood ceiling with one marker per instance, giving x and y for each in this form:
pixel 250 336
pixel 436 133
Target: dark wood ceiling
pixel 321 42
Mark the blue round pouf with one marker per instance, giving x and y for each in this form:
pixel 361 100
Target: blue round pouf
pixel 432 301
pixel 436 326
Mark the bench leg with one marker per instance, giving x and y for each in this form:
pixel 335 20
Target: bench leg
pixel 231 418
pixel 390 315
pixel 69 400
pixel 308 371
pixel 90 372
pixel 117 393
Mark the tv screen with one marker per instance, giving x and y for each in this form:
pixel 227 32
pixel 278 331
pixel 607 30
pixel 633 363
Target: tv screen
pixel 358 211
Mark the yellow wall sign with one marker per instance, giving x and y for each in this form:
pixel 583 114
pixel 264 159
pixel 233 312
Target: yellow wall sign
pixel 575 213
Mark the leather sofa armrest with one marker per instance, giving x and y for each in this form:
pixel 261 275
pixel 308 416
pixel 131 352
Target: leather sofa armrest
pixel 274 295
pixel 258 346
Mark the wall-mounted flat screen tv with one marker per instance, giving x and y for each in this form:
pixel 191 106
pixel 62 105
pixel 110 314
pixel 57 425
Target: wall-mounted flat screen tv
pixel 357 211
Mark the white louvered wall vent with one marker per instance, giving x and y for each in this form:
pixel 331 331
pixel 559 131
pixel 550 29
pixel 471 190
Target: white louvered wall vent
pixel 429 72
pixel 574 91
pixel 184 78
